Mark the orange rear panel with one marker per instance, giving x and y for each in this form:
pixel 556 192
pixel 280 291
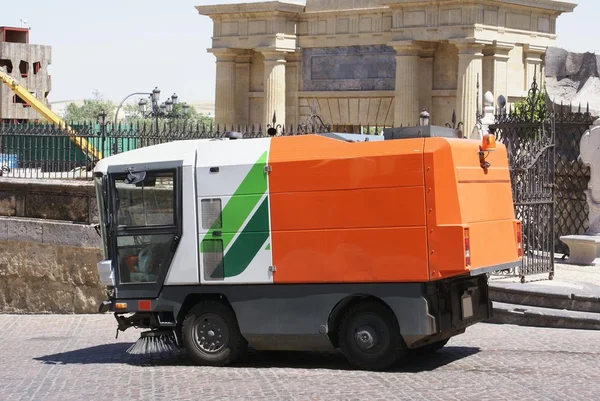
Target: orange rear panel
pixel 461 194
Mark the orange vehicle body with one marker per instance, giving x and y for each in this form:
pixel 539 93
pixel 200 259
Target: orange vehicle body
pixel 388 211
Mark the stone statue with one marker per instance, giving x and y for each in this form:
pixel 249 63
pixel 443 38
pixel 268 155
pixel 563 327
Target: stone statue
pixel 590 156
pixel 585 249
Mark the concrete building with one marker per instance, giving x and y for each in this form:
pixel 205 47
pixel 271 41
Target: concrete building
pixel 29 65
pixel 375 61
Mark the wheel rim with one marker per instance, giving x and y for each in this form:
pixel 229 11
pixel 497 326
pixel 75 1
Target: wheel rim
pixel 211 333
pixel 370 335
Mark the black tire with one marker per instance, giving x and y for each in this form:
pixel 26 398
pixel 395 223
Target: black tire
pixel 429 348
pixel 211 335
pixel 369 337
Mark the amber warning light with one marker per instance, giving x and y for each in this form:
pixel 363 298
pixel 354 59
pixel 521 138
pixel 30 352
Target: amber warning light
pixel 488 144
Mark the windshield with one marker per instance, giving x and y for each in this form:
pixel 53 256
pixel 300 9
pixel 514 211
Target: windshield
pixel 145 225
pixel 145 203
pixel 102 212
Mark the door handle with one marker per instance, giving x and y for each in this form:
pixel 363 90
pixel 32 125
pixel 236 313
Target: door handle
pixel 217 233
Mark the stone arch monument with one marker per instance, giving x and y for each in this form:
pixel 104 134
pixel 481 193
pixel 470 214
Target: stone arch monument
pixel 359 62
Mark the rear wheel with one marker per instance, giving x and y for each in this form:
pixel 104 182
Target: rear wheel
pixel 369 336
pixel 211 335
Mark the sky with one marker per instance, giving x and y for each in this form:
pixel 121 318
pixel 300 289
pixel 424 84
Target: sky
pixel 122 46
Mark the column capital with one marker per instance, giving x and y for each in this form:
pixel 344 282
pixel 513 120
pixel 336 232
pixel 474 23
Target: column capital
pixel 534 52
pixel 295 57
pixel 406 47
pixel 428 49
pixel 224 54
pixel 498 49
pixel 272 54
pixel 470 47
pixel 243 59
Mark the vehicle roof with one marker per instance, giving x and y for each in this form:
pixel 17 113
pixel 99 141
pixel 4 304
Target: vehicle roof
pixel 212 151
pixel 184 151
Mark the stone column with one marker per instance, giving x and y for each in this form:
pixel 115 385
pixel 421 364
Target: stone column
pixel 274 99
pixel 495 68
pixel 533 64
pixel 406 106
pixel 469 68
pixel 242 93
pixel 225 103
pixel 426 80
pixel 292 86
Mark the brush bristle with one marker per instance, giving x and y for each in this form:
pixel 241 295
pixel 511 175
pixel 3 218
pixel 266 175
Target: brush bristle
pixel 154 344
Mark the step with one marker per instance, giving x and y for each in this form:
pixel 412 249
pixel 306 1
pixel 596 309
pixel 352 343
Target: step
pixel 555 294
pixel 543 317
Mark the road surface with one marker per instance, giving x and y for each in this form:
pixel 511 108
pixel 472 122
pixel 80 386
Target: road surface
pixel 78 358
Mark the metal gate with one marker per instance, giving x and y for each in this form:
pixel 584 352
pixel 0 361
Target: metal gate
pixel 528 132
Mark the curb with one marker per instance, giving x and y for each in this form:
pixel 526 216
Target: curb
pixel 504 313
pixel 549 300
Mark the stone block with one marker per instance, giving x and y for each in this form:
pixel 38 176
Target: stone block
pixel 583 249
pixel 47 278
pixel 86 299
pixel 93 213
pixel 24 230
pixel 80 264
pixel 8 203
pixel 349 68
pixel 31 260
pixel 3 229
pixel 62 233
pixel 40 296
pixel 53 206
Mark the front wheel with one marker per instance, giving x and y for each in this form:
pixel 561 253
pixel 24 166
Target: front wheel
pixel 211 335
pixel 370 337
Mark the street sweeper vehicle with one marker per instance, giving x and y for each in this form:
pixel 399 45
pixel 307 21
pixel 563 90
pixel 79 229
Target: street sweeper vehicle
pixel 377 246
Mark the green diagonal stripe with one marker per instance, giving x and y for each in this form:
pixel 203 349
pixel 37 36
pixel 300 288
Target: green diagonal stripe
pixel 250 241
pixel 243 201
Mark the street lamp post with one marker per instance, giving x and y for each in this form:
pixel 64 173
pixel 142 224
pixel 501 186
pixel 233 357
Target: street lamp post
pixel 165 110
pixel 102 122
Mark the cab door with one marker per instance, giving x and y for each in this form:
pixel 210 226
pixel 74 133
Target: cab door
pixel 145 228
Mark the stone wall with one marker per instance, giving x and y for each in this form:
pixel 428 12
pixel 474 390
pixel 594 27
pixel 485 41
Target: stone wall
pixel 48 267
pixel 48 199
pixel 48 247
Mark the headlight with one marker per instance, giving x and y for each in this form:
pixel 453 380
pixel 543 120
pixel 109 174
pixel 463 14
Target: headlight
pixel 106 272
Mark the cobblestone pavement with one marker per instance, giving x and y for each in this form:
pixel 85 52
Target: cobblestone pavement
pixel 77 358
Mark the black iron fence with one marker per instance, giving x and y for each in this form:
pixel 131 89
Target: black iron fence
pixel 571 176
pixel 528 138
pixel 51 152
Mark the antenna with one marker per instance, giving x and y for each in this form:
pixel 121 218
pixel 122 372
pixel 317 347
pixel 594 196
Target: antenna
pixel 23 22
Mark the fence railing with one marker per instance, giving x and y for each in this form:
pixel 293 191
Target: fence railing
pixel 46 151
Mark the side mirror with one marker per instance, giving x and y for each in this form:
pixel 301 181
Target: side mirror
pixel 134 178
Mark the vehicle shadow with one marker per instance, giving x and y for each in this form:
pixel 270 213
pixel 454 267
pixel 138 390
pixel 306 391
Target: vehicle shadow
pixel 116 354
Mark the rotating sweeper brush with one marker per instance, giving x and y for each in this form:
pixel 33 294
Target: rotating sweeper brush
pixel 155 342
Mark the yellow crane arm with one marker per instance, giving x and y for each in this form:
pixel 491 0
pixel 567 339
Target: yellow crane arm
pixel 49 115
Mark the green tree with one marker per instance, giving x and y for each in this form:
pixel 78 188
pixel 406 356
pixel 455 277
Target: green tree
pixel 90 110
pixel 533 108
